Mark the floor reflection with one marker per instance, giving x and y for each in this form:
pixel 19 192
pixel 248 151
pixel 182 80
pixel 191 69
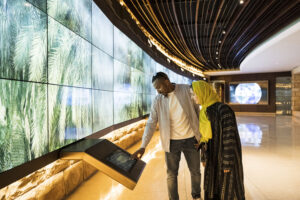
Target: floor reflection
pixel 271 149
pixel 250 134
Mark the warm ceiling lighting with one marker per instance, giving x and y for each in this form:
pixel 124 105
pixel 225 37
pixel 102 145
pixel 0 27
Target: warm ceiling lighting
pixel 224 32
pixel 241 2
pixel 217 53
pixel 220 41
pixel 181 63
pixel 150 43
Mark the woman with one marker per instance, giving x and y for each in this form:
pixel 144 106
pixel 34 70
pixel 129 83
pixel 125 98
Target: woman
pixel 220 145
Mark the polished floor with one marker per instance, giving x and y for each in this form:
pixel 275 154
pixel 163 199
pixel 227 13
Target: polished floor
pixel 271 159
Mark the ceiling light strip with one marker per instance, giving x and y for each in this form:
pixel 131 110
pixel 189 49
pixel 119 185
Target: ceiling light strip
pixel 231 26
pixel 253 22
pixel 180 32
pixel 266 27
pixel 162 49
pixel 153 16
pixel 196 31
pixel 241 24
pixel 213 29
pixel 167 26
pixel 174 30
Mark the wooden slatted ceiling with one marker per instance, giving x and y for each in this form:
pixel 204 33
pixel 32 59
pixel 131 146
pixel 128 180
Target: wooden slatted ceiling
pixel 213 34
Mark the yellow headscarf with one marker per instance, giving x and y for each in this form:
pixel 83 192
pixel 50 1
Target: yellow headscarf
pixel 206 96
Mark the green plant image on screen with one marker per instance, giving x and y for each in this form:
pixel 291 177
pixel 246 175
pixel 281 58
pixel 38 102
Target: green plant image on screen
pixel 70 115
pixel 135 56
pixel 122 106
pixel 103 70
pixel 41 4
pixel 23 44
pixel 65 76
pixel 102 109
pixel 76 15
pixel 136 105
pixel 23 122
pixel 146 62
pixel 69 57
pixel 121 46
pixel 102 31
pixel 122 77
pixel 137 81
pixel 146 106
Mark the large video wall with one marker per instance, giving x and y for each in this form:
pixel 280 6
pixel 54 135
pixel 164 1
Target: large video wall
pixel 66 72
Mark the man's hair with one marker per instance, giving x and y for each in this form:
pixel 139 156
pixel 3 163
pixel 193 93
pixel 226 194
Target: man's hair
pixel 160 75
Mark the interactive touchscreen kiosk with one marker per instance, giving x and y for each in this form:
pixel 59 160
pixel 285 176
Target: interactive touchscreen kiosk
pixel 108 158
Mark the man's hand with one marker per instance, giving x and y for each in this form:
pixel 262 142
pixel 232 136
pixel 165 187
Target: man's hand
pixel 197 146
pixel 138 154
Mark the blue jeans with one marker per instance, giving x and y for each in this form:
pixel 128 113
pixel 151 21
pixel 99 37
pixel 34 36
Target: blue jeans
pixel 172 159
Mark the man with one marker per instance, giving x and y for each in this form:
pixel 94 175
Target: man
pixel 177 115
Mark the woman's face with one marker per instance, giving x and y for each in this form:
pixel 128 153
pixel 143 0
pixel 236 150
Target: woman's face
pixel 194 97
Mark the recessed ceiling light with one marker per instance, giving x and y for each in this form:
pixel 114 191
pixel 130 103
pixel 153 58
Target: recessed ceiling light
pixel 217 53
pixel 224 32
pixel 220 41
pixel 241 2
pixel 217 58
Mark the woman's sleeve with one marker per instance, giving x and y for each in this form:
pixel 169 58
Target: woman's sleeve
pixel 229 131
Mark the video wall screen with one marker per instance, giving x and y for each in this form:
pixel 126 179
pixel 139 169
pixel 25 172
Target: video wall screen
pixel 103 70
pixel 102 31
pixel 23 122
pixel 103 108
pixel 69 57
pixel 75 15
pixel 66 72
pixel 23 42
pixel 70 115
pixel 248 93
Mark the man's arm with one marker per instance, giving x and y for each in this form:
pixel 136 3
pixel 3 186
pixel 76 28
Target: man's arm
pixel 148 133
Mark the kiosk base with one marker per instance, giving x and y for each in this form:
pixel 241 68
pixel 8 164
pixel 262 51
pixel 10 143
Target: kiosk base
pixel 108 158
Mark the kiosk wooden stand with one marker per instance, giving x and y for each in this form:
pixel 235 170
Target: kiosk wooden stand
pixel 108 158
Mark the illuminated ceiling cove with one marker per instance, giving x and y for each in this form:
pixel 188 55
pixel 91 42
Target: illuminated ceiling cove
pixel 207 35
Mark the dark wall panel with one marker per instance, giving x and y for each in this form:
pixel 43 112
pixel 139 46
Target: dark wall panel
pixel 271 77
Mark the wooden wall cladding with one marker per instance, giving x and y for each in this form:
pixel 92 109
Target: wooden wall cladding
pixel 271 77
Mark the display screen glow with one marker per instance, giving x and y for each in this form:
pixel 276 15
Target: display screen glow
pixel 66 72
pixel 248 92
